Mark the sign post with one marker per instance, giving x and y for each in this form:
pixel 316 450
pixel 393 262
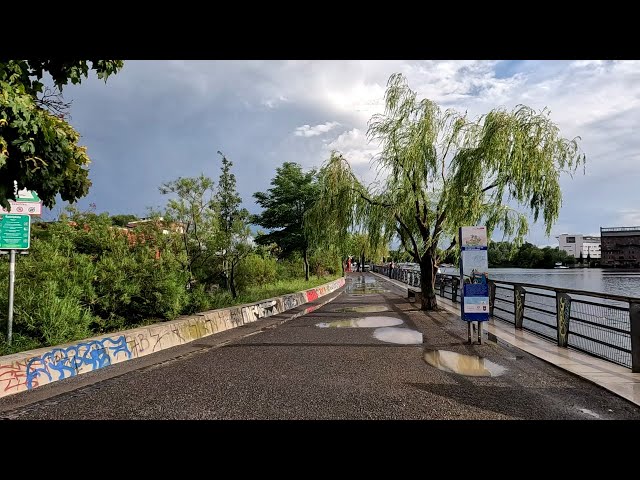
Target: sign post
pixel 12 281
pixel 474 275
pixel 15 234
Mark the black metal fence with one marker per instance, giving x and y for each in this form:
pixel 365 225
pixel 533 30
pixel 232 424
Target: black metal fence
pixel 606 326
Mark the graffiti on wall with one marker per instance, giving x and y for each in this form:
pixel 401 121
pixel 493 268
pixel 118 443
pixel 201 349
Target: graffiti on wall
pixel 312 295
pixel 260 310
pixel 13 376
pixel 60 363
pixel 290 301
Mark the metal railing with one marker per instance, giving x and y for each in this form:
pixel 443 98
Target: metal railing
pixel 605 326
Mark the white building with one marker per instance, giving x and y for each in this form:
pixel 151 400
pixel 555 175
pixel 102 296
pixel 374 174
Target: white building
pixel 574 244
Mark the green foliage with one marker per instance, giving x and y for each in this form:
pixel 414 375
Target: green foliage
pixel 290 268
pixel 122 220
pixel 506 254
pixel 38 147
pixel 285 206
pixel 323 263
pixel 444 171
pixel 256 270
pixel 192 213
pixel 234 233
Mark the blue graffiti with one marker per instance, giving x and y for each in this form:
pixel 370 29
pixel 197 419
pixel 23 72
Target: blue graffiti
pixel 67 361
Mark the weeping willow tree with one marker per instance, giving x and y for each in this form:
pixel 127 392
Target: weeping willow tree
pixel 444 171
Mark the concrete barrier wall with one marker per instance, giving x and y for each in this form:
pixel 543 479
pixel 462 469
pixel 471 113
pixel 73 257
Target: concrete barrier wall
pixel 33 368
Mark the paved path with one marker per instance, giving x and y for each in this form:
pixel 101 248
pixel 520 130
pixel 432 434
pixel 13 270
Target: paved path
pixel 297 370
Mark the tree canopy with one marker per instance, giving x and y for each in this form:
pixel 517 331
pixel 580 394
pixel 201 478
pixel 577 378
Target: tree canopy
pixel 285 205
pixel 38 147
pixel 233 221
pixel 444 170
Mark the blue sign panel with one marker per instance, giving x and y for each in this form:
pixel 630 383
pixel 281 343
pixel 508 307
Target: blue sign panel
pixel 474 274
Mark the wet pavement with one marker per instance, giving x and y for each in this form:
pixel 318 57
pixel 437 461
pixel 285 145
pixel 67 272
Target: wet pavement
pixel 296 366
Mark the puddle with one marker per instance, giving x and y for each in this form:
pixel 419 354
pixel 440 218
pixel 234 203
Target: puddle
pixel 365 286
pixel 366 290
pixel 364 309
pixel 589 412
pixel 469 365
pixel 364 322
pixel 404 336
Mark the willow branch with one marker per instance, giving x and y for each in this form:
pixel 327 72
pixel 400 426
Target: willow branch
pixel 404 225
pixel 404 245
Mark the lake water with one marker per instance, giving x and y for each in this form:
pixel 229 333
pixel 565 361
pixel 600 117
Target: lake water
pixel 590 279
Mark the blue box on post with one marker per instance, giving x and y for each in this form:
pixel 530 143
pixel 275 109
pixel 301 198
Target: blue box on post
pixel 474 273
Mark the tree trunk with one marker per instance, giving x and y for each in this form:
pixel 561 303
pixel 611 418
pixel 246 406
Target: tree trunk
pixel 306 265
pixel 427 282
pixel 232 282
pixel 362 262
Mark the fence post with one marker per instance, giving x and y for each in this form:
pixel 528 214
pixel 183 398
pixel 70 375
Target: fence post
pixel 518 305
pixel 492 296
pixel 563 313
pixel 454 289
pixel 634 316
pixel 441 286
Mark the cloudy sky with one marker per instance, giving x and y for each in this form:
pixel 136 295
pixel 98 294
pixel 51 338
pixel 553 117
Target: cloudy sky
pixel 158 120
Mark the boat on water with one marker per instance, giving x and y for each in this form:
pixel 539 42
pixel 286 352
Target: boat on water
pixel 560 265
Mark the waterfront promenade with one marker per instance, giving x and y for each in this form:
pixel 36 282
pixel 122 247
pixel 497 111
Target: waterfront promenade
pixel 367 354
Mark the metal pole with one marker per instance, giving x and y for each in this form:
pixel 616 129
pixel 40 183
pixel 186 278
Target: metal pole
pixel 12 281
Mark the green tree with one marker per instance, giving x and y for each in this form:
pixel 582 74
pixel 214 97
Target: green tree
pixel 446 171
pixel 499 254
pixel 581 259
pixel 588 258
pixel 38 147
pixel 285 205
pixel 194 211
pixel 234 234
pixel 122 220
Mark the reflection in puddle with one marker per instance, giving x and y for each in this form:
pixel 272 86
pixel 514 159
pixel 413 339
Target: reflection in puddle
pixel 364 322
pixel 365 290
pixel 364 286
pixel 364 309
pixel 470 365
pixel 403 336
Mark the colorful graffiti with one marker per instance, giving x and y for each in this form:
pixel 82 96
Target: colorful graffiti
pixel 13 376
pixel 312 295
pixel 65 362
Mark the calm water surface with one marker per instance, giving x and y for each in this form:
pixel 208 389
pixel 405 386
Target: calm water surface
pixel 615 282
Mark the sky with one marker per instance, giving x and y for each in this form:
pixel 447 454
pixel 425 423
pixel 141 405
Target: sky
pixel 158 120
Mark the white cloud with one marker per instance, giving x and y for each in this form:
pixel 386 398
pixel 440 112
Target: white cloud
pixel 242 104
pixel 309 131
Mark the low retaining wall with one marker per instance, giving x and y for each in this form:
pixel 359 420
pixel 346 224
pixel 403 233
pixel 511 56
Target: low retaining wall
pixel 34 368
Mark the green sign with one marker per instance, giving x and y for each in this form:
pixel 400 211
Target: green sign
pixel 15 231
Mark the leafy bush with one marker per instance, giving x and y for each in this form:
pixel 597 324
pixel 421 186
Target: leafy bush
pixel 255 270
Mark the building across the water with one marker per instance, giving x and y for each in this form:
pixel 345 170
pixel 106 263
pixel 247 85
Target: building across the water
pixel 620 247
pixel 573 244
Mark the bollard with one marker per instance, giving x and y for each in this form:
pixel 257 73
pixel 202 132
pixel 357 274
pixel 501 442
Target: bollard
pixel 634 317
pixel 518 305
pixel 563 313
